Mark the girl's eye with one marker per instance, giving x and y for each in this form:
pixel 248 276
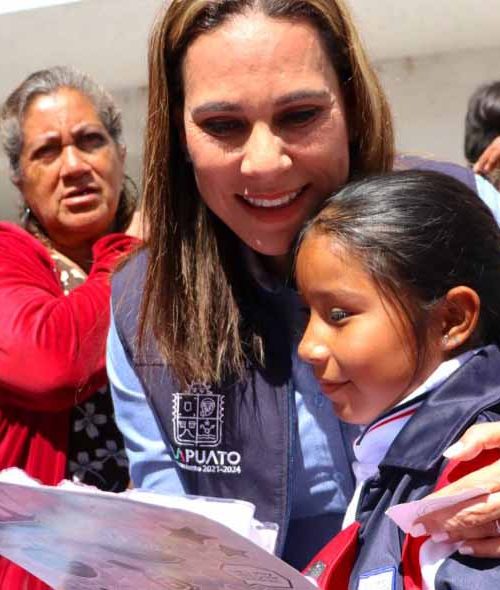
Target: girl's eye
pixel 299 117
pixel 223 127
pixel 337 315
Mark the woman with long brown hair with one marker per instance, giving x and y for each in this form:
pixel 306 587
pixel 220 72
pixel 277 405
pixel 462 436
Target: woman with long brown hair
pixel 258 109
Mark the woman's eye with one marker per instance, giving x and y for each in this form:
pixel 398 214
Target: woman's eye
pixel 299 117
pixel 337 315
pixel 91 141
pixel 223 127
pixel 46 152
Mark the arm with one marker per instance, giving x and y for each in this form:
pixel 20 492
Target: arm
pixel 151 464
pixel 489 159
pixel 52 345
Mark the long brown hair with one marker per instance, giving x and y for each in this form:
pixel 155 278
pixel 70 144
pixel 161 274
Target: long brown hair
pixel 195 279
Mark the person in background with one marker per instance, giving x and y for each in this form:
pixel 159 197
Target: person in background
pixel 62 134
pixel 482 131
pixel 258 110
pixel 410 351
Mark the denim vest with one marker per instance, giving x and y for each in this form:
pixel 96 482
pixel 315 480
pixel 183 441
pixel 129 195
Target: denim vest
pixel 234 440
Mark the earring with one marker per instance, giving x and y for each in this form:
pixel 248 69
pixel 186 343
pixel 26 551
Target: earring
pixel 449 341
pixel 26 215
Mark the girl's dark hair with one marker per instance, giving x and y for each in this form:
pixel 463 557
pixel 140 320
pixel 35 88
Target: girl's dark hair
pixel 195 275
pixel 419 234
pixel 482 122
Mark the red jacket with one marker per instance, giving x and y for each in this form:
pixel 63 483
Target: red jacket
pixel 52 356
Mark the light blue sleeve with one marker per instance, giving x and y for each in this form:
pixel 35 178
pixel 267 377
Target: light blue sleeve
pixel 489 195
pixel 151 464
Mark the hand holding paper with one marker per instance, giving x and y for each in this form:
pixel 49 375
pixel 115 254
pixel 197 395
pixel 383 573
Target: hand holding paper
pixel 406 515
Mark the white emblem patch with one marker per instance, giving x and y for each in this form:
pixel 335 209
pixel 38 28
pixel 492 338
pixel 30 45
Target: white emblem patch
pixel 379 579
pixel 198 417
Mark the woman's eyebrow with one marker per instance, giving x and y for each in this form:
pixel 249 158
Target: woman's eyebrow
pixel 42 139
pixel 299 95
pixel 85 126
pixel 220 105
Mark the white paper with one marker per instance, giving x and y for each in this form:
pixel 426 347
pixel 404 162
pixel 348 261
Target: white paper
pixel 77 538
pixel 406 515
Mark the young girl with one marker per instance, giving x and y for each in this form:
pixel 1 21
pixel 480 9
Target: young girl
pixel 401 274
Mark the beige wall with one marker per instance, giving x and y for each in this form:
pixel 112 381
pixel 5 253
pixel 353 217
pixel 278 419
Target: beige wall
pixel 429 98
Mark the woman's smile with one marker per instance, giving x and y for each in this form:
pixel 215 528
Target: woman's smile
pixel 272 200
pixel 277 209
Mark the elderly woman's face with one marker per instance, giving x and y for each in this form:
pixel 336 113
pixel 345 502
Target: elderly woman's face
pixel 71 169
pixel 265 126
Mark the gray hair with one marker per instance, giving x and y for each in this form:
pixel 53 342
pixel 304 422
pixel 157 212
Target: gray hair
pixel 49 81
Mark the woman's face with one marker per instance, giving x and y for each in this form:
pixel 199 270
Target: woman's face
pixel 71 169
pixel 265 126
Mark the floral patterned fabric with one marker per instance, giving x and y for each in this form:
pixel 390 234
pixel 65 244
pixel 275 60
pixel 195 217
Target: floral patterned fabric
pixel 96 454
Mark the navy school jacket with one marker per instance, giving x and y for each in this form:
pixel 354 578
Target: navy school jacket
pixel 373 552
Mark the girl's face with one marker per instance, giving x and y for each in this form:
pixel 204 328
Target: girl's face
pixel 265 126
pixel 360 346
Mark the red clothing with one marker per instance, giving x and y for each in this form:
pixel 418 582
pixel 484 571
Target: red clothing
pixel 52 356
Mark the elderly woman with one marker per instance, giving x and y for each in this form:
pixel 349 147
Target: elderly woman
pixel 258 109
pixel 62 134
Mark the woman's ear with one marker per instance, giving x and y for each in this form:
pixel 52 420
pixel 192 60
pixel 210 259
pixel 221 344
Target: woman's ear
pixel 460 317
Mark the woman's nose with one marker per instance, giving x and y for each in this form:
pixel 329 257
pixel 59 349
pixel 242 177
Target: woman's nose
pixel 264 153
pixel 313 349
pixel 73 162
